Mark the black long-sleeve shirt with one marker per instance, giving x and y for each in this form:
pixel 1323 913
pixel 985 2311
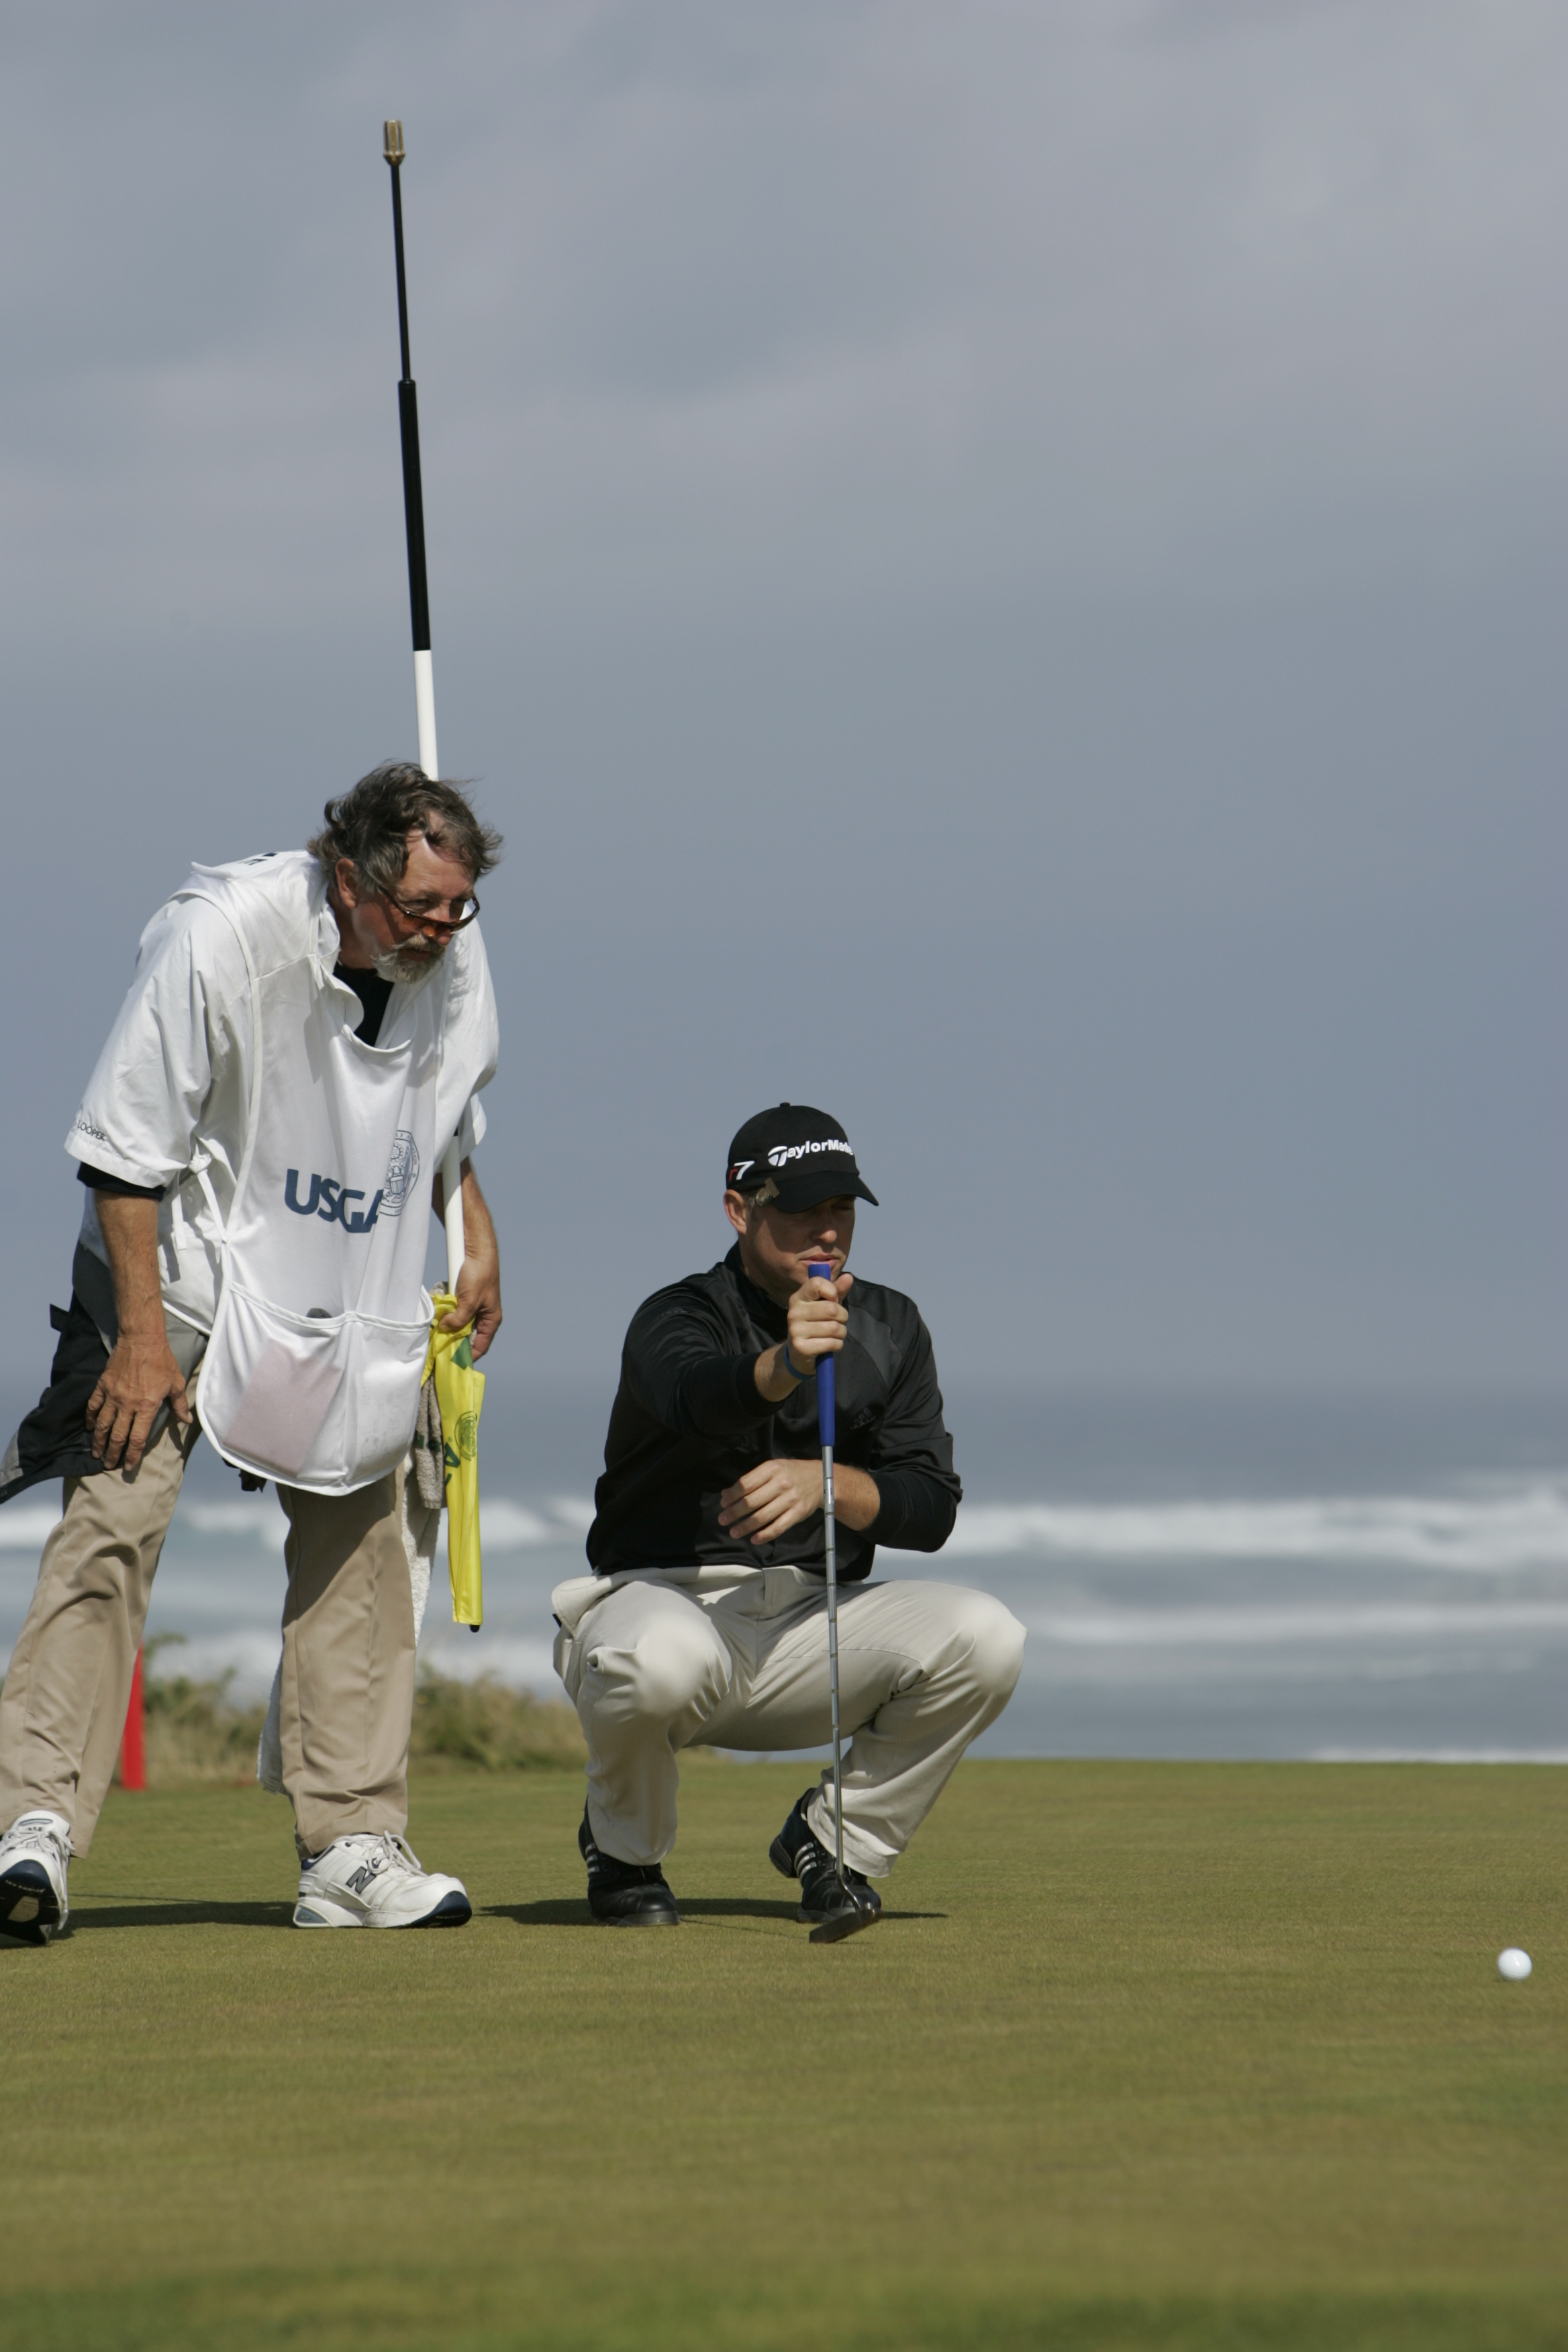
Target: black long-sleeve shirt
pixel 687 1421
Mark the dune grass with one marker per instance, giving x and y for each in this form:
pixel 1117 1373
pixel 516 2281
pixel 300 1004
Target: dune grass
pixel 197 1735
pixel 193 1733
pixel 1187 2056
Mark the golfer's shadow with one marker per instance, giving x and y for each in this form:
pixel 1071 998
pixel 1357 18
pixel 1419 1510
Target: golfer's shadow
pixel 696 1909
pixel 195 1913
pixel 576 1914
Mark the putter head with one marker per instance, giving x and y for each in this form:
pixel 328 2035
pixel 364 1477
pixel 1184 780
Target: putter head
pixel 392 142
pixel 847 1922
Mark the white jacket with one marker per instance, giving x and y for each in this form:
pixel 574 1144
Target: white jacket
pixel 173 1083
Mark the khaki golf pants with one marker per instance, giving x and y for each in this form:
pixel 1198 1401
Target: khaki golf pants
pixel 348 1650
pixel 737 1657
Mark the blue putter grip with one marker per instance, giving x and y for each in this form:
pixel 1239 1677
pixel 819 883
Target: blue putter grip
pixel 824 1405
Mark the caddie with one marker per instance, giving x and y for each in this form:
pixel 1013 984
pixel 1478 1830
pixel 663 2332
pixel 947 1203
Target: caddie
pixel 305 1034
pixel 704 1622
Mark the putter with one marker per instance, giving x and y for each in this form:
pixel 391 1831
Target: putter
pixel 850 1921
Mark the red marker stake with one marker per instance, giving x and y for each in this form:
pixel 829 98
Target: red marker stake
pixel 134 1747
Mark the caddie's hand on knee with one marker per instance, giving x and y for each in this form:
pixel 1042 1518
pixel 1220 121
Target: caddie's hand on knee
pixel 771 1499
pixel 818 1319
pixel 140 1376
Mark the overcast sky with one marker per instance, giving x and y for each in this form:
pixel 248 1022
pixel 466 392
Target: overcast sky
pixel 1001 567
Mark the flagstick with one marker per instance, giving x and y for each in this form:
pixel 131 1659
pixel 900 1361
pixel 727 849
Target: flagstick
pixel 413 488
pixel 452 1212
pixel 419 614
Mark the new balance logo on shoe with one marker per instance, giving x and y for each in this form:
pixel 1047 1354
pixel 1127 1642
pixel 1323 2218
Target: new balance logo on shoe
pixel 373 1879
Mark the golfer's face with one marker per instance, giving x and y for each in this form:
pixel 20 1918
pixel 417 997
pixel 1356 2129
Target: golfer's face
pixel 787 1242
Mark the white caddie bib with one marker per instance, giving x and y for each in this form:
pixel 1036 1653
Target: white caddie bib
pixel 311 1374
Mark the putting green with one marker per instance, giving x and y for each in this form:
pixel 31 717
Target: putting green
pixel 1142 2055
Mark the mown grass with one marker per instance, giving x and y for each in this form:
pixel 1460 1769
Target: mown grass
pixel 1181 2056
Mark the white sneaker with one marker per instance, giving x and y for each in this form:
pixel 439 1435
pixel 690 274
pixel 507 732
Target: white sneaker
pixel 35 1853
pixel 373 1879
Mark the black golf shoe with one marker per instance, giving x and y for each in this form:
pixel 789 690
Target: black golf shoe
pixel 799 1854
pixel 625 1894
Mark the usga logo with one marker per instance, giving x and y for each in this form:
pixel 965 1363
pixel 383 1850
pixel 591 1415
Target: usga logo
pixel 330 1200
pixel 782 1153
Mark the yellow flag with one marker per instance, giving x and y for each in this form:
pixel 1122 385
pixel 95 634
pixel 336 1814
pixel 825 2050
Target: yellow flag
pixel 460 1393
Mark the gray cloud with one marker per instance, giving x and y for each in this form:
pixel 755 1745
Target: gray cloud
pixel 1001 567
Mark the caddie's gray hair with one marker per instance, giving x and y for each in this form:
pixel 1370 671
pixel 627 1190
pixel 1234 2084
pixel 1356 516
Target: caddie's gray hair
pixel 370 826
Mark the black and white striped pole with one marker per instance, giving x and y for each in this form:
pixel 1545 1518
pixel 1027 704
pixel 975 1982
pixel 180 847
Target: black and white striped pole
pixel 413 488
pixel 419 614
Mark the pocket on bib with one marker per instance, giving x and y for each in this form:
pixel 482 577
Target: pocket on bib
pixel 323 1402
pixel 387 1361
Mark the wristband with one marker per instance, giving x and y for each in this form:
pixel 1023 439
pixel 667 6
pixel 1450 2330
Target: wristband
pixel 789 1366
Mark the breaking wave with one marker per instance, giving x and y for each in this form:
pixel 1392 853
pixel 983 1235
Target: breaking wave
pixel 1495 1530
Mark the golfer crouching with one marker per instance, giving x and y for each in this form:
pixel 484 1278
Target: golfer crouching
pixel 705 1623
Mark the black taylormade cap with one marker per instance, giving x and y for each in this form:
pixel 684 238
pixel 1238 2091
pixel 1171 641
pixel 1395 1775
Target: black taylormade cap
pixel 803 1151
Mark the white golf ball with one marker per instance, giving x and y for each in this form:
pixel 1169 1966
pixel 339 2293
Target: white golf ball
pixel 1514 1963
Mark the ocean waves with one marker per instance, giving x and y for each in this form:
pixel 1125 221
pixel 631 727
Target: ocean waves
pixel 1493 1529
pixel 1292 1626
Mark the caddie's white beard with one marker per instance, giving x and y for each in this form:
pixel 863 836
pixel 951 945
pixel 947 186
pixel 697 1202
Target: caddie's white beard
pixel 410 965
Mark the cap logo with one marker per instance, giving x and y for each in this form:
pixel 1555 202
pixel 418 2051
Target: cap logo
pixel 740 1169
pixel 782 1153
